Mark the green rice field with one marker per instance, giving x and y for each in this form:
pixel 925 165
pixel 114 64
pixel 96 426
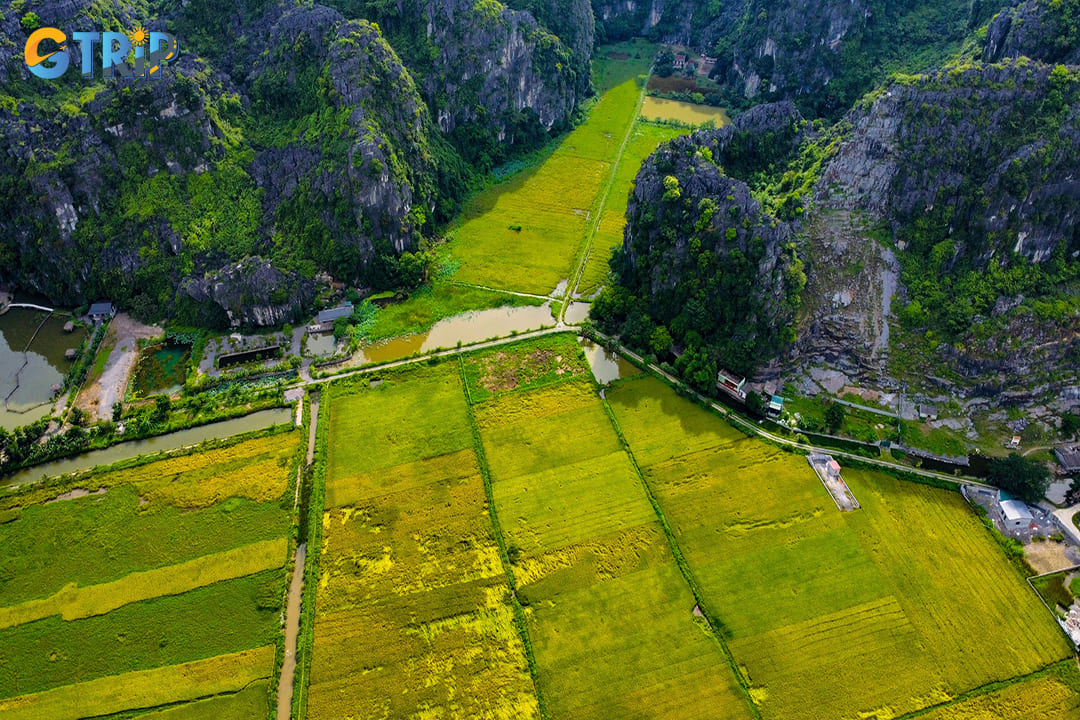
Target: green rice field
pixel 873 613
pixel 413 611
pixel 530 231
pixel 154 589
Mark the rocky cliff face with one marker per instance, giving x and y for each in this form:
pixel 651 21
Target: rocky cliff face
pixel 972 173
pixel 938 227
pixel 312 149
pixel 1037 29
pixel 701 258
pixel 500 66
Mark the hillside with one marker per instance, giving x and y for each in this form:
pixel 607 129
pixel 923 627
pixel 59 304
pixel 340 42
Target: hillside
pixel 217 194
pixel 936 225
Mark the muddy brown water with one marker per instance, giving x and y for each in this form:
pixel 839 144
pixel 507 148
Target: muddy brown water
pixel 467 328
pixel 576 312
pixel 171 441
pixel 292 630
pixel 606 366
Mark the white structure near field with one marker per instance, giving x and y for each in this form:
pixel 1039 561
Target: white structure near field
pixel 1015 514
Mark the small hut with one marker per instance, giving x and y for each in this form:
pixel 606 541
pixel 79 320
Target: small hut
pixel 70 353
pixel 69 326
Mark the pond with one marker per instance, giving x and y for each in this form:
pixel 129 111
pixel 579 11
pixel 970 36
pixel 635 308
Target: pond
pixel 467 328
pixel 655 108
pixel 576 312
pixel 162 368
pixel 606 366
pixel 321 345
pixel 32 347
pixel 171 441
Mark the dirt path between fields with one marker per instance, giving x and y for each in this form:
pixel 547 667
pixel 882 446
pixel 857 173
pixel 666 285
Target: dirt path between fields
pixel 292 630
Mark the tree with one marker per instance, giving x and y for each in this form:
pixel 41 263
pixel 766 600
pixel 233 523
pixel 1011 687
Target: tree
pixel 117 411
pixel 1027 479
pixel 78 417
pixel 834 416
pixel 341 327
pixel 660 342
pixel 755 403
pixel 1070 423
pixel 162 406
pixel 665 63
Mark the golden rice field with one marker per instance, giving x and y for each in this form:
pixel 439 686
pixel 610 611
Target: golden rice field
pixel 901 605
pixel 413 611
pixel 1054 695
pixel 609 615
pixel 524 234
pixel 161 590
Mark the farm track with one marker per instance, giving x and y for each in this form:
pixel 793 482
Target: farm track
pixel 716 407
pixel 582 259
pixel 287 682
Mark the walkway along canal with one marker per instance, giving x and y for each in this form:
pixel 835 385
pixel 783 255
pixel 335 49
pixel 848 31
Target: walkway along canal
pixel 287 682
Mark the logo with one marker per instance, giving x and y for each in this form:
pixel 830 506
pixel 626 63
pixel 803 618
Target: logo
pixel 135 54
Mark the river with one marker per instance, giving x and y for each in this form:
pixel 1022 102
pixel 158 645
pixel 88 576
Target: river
pixel 171 441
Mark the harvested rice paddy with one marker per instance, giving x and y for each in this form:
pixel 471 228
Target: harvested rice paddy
pixel 153 588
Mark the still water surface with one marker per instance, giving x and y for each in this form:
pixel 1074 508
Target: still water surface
pixel 171 441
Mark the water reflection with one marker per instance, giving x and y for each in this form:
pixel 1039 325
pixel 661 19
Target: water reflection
pixel 27 379
pixel 606 366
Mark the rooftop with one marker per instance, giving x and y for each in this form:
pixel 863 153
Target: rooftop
pixel 101 308
pixel 1068 458
pixel 1015 510
pixel 334 313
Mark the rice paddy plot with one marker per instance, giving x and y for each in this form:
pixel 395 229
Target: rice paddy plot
pixel 102 538
pixel 223 618
pixel 1051 695
pixel 901 606
pixel 140 689
pixel 158 584
pixel 610 616
pixel 413 611
pixel 522 366
pixel 414 414
pixel 643 141
pixel 524 234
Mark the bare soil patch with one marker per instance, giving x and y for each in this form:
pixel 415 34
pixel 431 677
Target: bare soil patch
pixel 507 371
pixel 1047 556
pixel 98 394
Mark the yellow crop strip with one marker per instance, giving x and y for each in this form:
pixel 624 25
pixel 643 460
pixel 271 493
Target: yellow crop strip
pixel 258 469
pixel 144 688
pixel 413 613
pixel 74 602
pixel 902 605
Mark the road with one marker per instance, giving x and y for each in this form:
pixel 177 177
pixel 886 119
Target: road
pixel 720 409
